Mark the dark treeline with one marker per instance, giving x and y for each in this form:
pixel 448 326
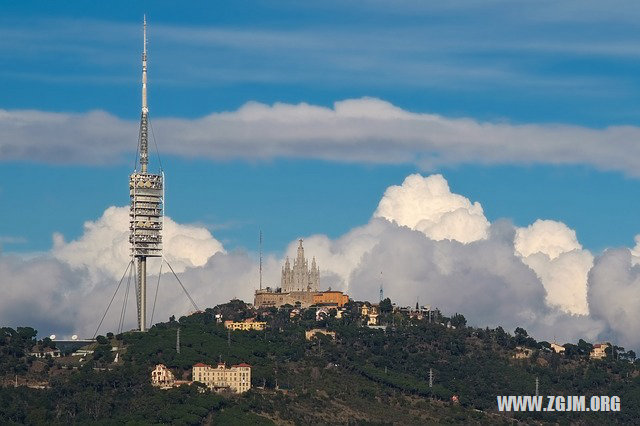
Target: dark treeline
pixel 365 375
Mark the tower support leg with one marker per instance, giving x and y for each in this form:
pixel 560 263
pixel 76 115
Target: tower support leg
pixel 142 293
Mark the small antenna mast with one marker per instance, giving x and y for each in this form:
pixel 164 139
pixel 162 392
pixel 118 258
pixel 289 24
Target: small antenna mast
pixel 261 259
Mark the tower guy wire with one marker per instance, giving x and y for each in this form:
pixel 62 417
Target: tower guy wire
pixel 155 299
pixel 112 297
pixel 182 285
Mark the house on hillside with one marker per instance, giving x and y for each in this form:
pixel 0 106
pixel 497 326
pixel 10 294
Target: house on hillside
pixel 599 350
pixel 163 378
pixel 370 313
pixel 523 353
pixel 557 348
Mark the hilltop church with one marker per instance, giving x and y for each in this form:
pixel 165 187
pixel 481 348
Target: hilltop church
pixel 300 277
pixel 299 286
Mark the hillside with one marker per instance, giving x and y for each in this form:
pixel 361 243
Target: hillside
pixel 365 376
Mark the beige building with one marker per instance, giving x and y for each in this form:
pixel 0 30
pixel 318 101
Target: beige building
pixel 236 378
pixel 311 333
pixel 248 324
pixel 370 313
pixel 557 348
pixel 162 377
pixel 523 353
pixel 269 298
pixel 598 351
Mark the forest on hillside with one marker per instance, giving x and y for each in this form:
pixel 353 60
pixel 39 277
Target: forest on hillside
pixel 367 375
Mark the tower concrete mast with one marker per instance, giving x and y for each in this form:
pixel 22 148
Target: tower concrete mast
pixel 146 214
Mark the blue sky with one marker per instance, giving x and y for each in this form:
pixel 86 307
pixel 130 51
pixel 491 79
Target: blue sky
pixel 572 63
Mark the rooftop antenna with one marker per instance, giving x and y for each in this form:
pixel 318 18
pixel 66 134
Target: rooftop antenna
pixel 381 290
pixel 261 259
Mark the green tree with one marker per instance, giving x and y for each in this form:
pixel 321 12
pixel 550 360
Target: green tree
pixel 386 306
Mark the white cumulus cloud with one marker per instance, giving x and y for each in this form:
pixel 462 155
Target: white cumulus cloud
pixel 552 250
pixel 548 237
pixel 428 205
pixel 614 295
pixel 104 246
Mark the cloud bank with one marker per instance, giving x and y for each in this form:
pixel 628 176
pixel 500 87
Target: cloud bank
pixel 537 277
pixel 365 130
pixel 104 247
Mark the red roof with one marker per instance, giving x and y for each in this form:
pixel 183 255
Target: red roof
pixel 242 365
pixel 201 365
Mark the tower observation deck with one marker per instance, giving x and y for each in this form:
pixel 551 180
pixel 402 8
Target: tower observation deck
pixel 146 215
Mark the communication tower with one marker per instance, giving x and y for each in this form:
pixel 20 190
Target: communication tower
pixel 146 214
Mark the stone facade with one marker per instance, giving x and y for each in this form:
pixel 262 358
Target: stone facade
pixel 300 278
pixel 236 378
pixel 268 298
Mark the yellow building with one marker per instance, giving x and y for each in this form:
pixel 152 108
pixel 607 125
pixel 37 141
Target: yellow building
pixel 330 297
pixel 598 351
pixel 248 324
pixel 371 313
pixel 236 378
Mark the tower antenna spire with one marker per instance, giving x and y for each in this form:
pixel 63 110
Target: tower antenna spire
pixel 144 119
pixel 261 259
